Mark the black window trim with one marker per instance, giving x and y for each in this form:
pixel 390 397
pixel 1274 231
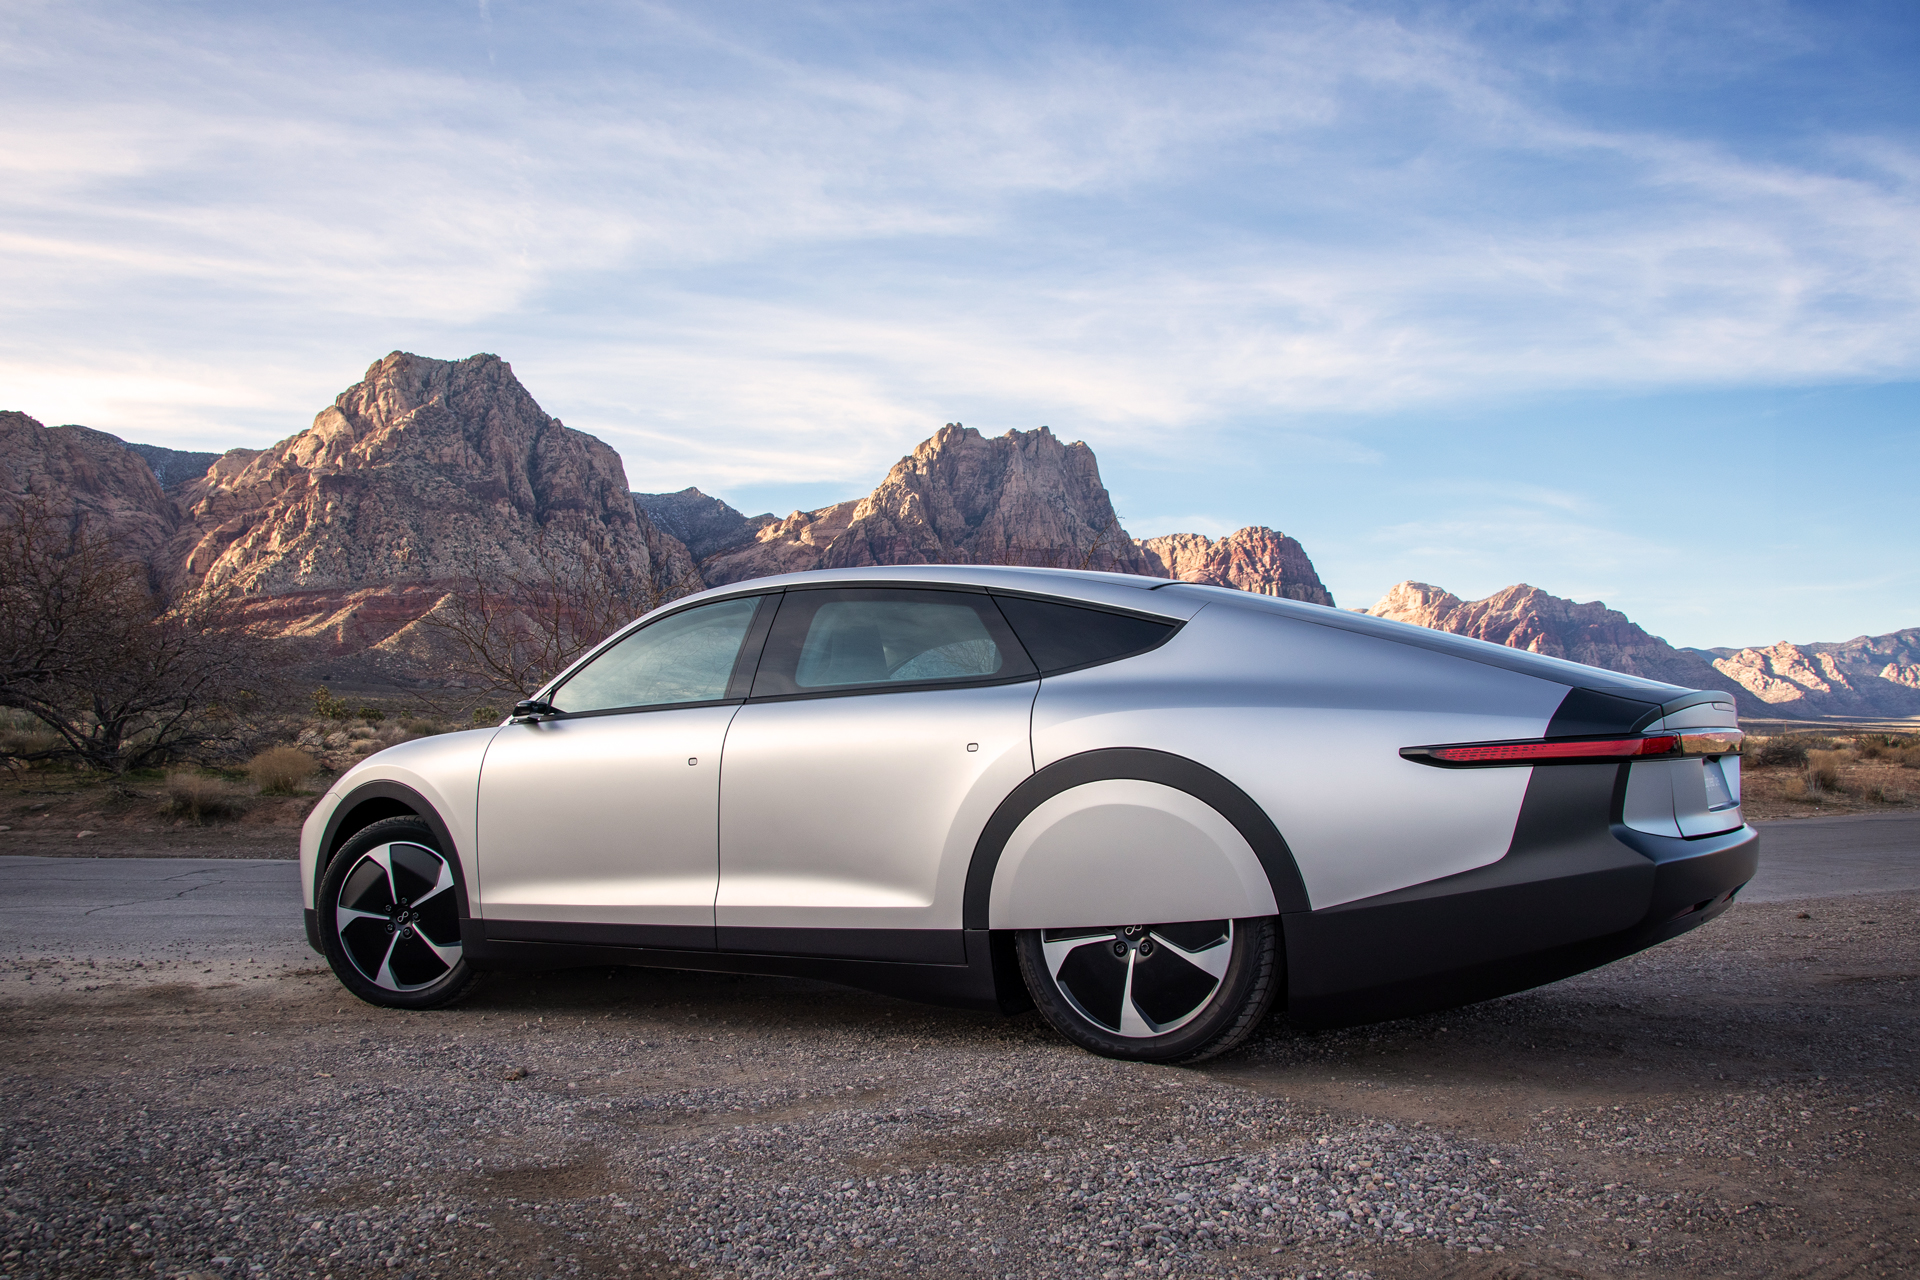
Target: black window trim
pixel 739 679
pixel 1174 627
pixel 901 686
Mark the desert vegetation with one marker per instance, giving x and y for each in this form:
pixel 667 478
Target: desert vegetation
pixel 1796 773
pixel 114 674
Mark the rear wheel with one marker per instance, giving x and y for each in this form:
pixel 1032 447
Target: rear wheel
pixel 1154 992
pixel 389 907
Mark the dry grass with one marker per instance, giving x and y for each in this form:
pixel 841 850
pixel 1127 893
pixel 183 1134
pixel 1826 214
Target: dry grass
pixel 1823 770
pixel 279 771
pixel 198 796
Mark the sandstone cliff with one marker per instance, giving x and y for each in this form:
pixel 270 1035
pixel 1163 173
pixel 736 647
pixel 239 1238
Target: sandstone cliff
pixel 1023 498
pixel 1864 678
pixel 1525 617
pixel 1253 559
pixel 424 474
pixel 78 470
pixel 1868 676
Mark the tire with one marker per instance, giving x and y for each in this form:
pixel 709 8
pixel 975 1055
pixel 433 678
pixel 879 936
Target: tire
pixel 389 913
pixel 1155 993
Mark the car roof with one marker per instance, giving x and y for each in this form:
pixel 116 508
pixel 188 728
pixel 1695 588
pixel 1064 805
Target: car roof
pixel 1115 590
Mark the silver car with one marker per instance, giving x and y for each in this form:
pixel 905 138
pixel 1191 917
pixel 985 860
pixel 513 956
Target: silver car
pixel 1153 809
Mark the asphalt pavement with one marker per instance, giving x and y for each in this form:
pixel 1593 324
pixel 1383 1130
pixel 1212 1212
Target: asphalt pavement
pixel 249 909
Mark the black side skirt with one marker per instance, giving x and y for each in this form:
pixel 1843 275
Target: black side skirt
pixel 968 969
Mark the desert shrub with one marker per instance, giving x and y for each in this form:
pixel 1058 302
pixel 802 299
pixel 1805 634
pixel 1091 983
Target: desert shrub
pixel 281 770
pixel 1886 795
pixel 372 715
pixel 1777 750
pixel 31 741
pixel 422 728
pixel 199 796
pixel 1823 770
pixel 328 707
pixel 485 716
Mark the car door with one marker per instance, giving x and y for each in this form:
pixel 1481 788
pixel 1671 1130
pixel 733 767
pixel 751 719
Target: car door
pixel 884 728
pixel 599 824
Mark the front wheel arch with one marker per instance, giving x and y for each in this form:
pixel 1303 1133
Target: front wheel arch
pixel 367 804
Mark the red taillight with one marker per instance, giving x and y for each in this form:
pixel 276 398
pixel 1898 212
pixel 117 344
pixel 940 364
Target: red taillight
pixel 1547 751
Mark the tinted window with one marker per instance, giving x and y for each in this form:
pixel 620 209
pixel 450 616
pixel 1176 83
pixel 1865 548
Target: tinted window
pixel 845 638
pixel 1059 636
pixel 686 657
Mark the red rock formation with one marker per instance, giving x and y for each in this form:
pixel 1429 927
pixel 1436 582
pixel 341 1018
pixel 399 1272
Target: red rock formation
pixel 1524 617
pixel 77 470
pixel 1866 677
pixel 1252 559
pixel 426 473
pixel 960 498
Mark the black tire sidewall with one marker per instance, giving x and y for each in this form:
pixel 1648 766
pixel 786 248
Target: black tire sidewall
pixel 1255 943
pixel 386 831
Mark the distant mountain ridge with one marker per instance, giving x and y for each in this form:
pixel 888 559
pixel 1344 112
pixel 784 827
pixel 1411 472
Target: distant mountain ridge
pixel 1865 678
pixel 428 474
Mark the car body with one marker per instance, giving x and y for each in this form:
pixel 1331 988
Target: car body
pixel 1424 819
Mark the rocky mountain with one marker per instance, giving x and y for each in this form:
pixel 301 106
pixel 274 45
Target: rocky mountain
pixel 429 474
pixel 425 474
pixel 1252 559
pixel 1861 678
pixel 1867 676
pixel 959 498
pixel 79 471
pixel 705 524
pixel 173 467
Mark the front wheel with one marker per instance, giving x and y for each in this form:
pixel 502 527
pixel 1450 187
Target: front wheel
pixel 389 907
pixel 1155 992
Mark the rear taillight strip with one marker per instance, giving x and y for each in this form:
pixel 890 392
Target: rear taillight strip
pixel 1468 755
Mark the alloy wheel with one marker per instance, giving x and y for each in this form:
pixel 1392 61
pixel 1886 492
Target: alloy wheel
pixel 397 916
pixel 1140 981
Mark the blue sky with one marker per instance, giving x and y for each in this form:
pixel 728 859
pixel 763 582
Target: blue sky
pixel 1622 300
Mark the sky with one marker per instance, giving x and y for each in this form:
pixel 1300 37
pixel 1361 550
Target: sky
pixel 1618 299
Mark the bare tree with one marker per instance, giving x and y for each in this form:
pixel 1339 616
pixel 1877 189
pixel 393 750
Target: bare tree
pixel 511 631
pixel 89 648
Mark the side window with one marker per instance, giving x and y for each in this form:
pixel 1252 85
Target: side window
pixel 1062 636
pixel 685 657
pixel 848 638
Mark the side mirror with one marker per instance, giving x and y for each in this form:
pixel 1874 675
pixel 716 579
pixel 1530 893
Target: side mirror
pixel 533 709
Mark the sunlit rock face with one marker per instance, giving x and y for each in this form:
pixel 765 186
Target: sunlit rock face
pixel 1252 559
pixel 1525 617
pixel 1867 677
pixel 424 474
pixel 1024 498
pixel 77 471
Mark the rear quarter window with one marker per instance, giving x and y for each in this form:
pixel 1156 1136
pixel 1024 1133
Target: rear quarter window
pixel 1060 637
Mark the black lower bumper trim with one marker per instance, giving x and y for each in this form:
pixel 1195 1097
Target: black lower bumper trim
pixel 1490 932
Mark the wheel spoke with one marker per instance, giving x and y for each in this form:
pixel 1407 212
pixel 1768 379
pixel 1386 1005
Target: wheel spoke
pixel 1057 952
pixel 1211 961
pixel 444 883
pixel 383 977
pixel 344 916
pixel 1133 1023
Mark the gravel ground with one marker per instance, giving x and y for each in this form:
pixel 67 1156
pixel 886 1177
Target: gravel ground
pixel 1739 1102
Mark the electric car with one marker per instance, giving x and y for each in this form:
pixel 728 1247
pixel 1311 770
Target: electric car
pixel 1155 810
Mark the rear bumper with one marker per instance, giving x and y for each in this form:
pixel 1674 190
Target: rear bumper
pixel 1536 916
